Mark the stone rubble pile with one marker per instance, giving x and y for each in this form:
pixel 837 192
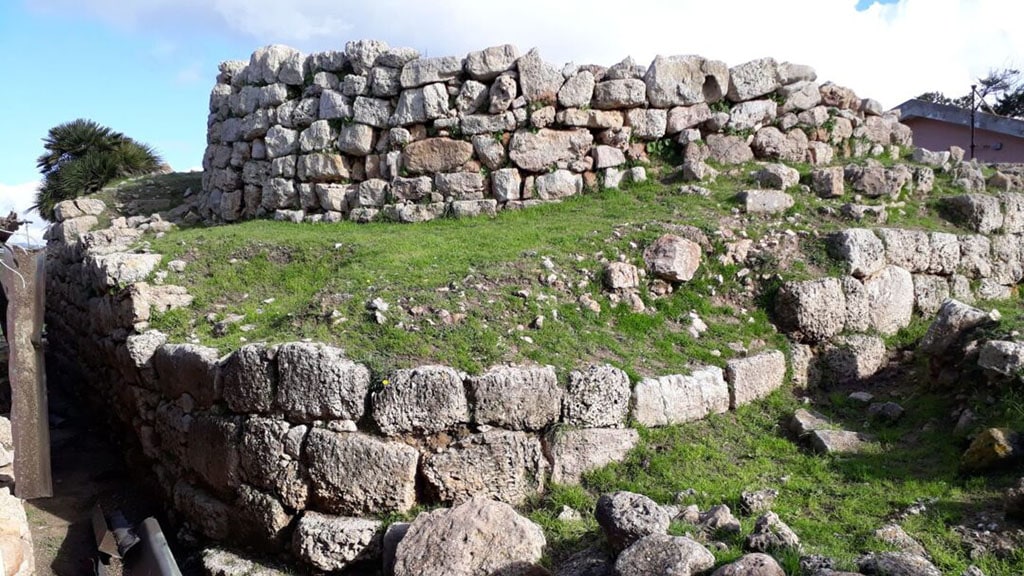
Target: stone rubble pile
pixel 380 132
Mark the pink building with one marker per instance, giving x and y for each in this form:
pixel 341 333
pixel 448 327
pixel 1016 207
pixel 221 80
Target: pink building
pixel 939 126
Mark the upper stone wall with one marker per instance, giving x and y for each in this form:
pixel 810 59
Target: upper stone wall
pixel 376 131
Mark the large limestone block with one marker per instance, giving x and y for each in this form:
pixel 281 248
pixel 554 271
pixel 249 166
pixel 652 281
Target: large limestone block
pixel 812 310
pixel 352 473
pixel 675 81
pixel 573 453
pixel 506 466
pixel 429 70
pixel 421 400
pixel 211 516
pixel 619 94
pixel 188 369
pixel 753 79
pixel 539 80
pixel 891 297
pixel 596 397
pixel 488 64
pixel 910 249
pixel 268 457
pixel 212 450
pixel 249 379
pixel 538 151
pixel 317 382
pixel 980 213
pixel 434 155
pixel 332 543
pixel 516 397
pixel 755 377
pixel 558 184
pixel 578 90
pixel 276 63
pixel 860 249
pixel 679 398
pixel 476 538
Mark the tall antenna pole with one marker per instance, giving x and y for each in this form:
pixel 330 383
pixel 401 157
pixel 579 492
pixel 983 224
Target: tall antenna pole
pixel 974 88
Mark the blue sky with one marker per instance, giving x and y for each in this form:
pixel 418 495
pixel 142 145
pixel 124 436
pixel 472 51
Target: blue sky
pixel 145 67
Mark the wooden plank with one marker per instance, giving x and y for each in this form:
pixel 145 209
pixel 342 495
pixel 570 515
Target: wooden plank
pixel 26 292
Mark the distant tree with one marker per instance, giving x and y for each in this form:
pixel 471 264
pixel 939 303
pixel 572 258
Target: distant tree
pixel 82 157
pixel 1000 92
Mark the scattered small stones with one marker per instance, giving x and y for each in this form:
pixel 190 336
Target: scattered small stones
pixel 862 397
pixel 895 535
pixel 1014 502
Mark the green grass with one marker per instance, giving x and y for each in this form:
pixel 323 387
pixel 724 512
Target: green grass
pixel 314 281
pixel 834 503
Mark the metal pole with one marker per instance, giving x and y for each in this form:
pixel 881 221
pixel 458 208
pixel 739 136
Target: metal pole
pixel 974 87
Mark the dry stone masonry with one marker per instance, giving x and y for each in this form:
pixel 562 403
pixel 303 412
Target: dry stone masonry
pixel 380 132
pixel 276 444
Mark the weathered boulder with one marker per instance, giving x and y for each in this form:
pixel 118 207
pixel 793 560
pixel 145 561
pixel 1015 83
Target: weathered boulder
pixel 664 554
pixel 838 441
pixel 991 448
pixel 728 149
pixel 596 397
pixel 894 534
pixel 317 382
pixel 478 537
pixel 1006 358
pixel 427 399
pixel 620 276
pixel 516 397
pixel 677 398
pixel 812 310
pixel 505 466
pixel 536 152
pixel 766 201
pixel 210 516
pixel 333 542
pixel 771 533
pixel 577 91
pixel 752 115
pixel 851 358
pixel 434 155
pixel 593 561
pixel 626 517
pixel 757 501
pixel 896 564
pixel 673 258
pixel 352 473
pixel 756 564
pixel 754 377
pixel 276 63
pixel 828 182
pixel 770 143
pixel 953 320
pixel 575 452
pixel 719 519
pixel 777 176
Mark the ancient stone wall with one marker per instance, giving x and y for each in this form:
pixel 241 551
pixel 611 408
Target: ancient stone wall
pixel 379 132
pixel 262 443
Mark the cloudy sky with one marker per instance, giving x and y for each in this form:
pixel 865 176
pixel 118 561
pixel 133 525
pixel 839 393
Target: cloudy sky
pixel 145 67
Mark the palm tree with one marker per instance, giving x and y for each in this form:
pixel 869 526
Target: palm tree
pixel 82 157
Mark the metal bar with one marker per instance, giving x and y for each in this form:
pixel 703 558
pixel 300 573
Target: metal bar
pixel 152 557
pixel 24 280
pixel 974 89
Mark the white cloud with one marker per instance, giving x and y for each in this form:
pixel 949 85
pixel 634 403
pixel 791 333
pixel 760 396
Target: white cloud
pixel 19 198
pixel 889 52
